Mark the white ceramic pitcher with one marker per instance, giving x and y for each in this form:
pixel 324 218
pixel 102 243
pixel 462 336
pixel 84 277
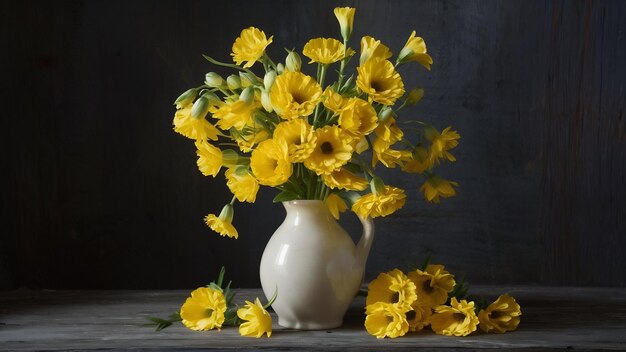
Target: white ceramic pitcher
pixel 314 265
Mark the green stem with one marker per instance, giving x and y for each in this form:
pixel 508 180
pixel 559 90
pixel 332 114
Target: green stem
pixel 322 77
pixel 343 64
pixel 219 63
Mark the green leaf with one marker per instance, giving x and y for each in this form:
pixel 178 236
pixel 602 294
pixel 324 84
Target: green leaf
pixel 161 323
pixel 285 196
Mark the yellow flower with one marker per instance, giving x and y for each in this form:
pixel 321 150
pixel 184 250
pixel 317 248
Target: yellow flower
pixel 390 157
pixel 333 101
pixel 420 161
pixel 383 203
pixel 258 320
pixel 419 317
pixel 235 114
pixel 295 94
pixel 332 150
pixel 248 138
pixel 324 50
pixel 391 287
pixel 380 81
pixel 436 187
pixel 344 179
pixel 415 50
pixel 345 16
pixel 500 316
pixel 250 46
pixel 209 158
pixel 386 320
pixel 270 163
pixel 441 143
pixel 204 310
pixel 242 184
pixel 299 137
pixel 194 128
pixel 335 205
pixel 388 132
pixel 433 284
pixel 458 319
pixel 222 226
pixel 372 48
pixel 358 117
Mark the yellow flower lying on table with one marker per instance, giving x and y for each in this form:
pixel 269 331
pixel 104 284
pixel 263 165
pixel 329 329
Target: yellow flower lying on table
pixel 204 310
pixel 397 303
pixel 316 136
pixel 258 320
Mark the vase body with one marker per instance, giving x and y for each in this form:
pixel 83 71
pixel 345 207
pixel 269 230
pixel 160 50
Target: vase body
pixel 314 266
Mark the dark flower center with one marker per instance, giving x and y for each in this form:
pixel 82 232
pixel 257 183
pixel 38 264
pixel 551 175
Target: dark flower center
pixel 395 297
pixel 458 316
pixel 327 148
pixel 377 86
pixel 495 314
pixel 426 287
pixel 410 315
pixel 298 98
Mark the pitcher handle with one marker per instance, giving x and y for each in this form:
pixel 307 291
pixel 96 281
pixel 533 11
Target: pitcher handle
pixel 365 243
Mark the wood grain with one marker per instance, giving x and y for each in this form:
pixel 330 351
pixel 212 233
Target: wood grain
pixel 553 319
pixel 101 193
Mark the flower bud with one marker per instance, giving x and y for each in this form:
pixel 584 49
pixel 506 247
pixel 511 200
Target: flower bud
pixel 430 133
pixel 213 80
pixel 247 95
pixel 227 213
pixel 384 114
pixel 415 96
pixel 248 79
pixel 233 82
pixel 186 98
pixel 345 16
pixel 280 68
pixel 213 98
pixel 293 62
pixel 200 108
pixel 266 102
pixel 230 158
pixel 269 79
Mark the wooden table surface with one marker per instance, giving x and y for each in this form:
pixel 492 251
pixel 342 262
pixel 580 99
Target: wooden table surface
pixel 554 318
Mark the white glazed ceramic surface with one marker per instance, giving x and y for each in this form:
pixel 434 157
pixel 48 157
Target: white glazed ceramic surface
pixel 314 265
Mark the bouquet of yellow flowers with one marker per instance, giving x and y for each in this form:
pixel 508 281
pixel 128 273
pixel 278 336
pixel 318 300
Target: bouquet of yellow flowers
pixel 310 139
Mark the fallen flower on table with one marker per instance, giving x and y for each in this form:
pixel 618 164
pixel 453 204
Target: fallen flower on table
pixel 500 316
pixel 258 320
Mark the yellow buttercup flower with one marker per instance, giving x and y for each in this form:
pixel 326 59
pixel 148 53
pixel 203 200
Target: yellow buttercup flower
pixel 380 81
pixel 441 143
pixel 344 179
pixel 383 203
pixel 258 320
pixel 415 50
pixel 345 16
pixel 391 287
pixel 250 46
pixel 294 95
pixel 204 310
pixel 209 158
pixel 457 319
pixel 324 50
pixel 432 284
pixel 194 128
pixel 420 161
pixel 332 100
pixel 270 163
pixel 299 137
pixel 237 114
pixel 332 150
pixel 386 320
pixel 372 48
pixel 358 117
pixel 418 318
pixel 500 316
pixel 335 205
pixel 242 184
pixel 436 187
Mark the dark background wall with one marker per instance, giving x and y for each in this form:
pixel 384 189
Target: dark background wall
pixel 99 192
